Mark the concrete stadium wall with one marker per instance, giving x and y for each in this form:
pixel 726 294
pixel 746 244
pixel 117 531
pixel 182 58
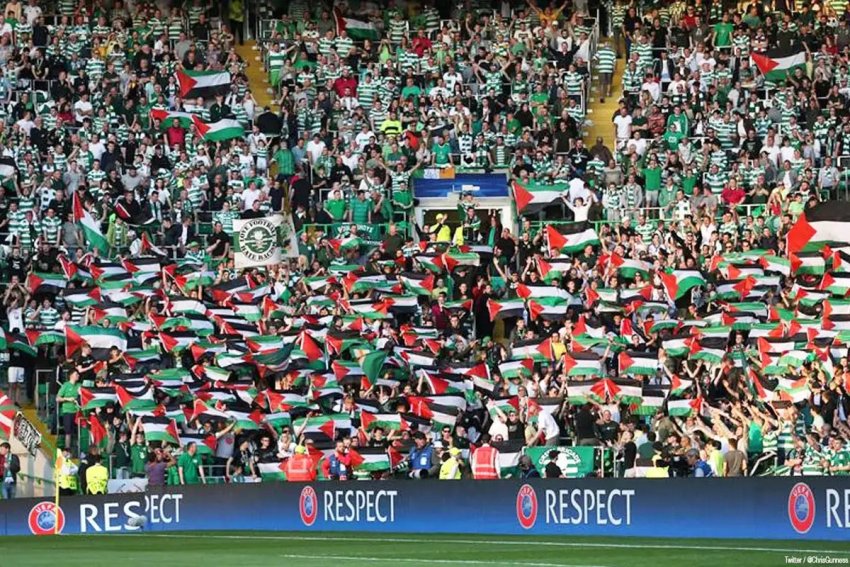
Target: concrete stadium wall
pixel 763 508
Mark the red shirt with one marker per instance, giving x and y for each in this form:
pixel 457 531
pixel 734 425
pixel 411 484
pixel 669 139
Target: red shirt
pixel 732 196
pixel 420 44
pixel 175 135
pixel 343 83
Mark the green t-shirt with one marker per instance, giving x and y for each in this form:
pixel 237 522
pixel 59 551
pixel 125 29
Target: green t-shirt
pixel 138 458
pixel 441 153
pixel 190 465
pixel 688 183
pixel 755 442
pixel 723 34
pixel 69 390
pixel 360 211
pixel 335 208
pixel 840 459
pixel 652 177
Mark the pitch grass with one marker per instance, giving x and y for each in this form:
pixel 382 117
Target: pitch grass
pixel 320 549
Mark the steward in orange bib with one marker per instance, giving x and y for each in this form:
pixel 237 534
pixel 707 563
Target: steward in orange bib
pixel 300 467
pixel 485 461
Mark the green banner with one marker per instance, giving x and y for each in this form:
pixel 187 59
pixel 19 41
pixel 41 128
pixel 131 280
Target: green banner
pixel 574 462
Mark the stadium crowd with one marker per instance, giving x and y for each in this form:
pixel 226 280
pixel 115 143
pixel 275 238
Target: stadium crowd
pixel 657 312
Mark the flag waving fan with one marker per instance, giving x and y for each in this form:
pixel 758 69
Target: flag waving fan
pixel 822 224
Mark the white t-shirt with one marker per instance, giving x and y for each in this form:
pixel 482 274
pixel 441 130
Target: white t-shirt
pixel 82 106
pixel 624 126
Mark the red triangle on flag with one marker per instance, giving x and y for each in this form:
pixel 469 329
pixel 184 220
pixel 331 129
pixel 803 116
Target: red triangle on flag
pixel 523 197
pixel 764 63
pixel 186 83
pixel 800 234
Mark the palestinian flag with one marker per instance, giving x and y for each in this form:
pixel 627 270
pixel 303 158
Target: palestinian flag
pixel 651 401
pixel 629 268
pixel 272 472
pixel 160 429
pixel 419 284
pixel 505 309
pixel 91 398
pixel 223 130
pixel 386 421
pixel 548 308
pixel 809 263
pixel 369 459
pixel 516 368
pixel 167 117
pixel 533 197
pixel 90 227
pixel 206 444
pixel 356 29
pixel 584 391
pixel 535 349
pixel 82 298
pixel 583 364
pixel 206 84
pixel 372 364
pixel 638 363
pixel 508 459
pixel 503 405
pixel 45 283
pixel 8 410
pixel 624 391
pixel 538 292
pixel 824 223
pixel 136 399
pixel 680 282
pixel 683 408
pixel 570 242
pixel 795 391
pixel 777 63
pixel 679 386
pixel 97 432
pixel 99 338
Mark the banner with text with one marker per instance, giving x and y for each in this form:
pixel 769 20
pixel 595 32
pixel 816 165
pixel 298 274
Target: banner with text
pixel 758 508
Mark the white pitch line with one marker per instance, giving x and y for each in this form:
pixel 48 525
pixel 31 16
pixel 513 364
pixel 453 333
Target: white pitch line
pixel 429 560
pixel 678 547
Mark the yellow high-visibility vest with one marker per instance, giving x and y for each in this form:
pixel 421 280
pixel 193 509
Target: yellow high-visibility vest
pixel 97 478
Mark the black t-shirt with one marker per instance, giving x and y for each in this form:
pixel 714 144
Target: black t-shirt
pixel 220 239
pixel 585 423
pixel 552 470
pixel 609 431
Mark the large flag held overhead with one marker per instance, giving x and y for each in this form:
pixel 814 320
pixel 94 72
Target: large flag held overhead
pixel 533 197
pixel 167 117
pixel 90 226
pixel 777 63
pixel 356 29
pixel 202 83
pixel 824 223
pixel 568 240
pixel 224 129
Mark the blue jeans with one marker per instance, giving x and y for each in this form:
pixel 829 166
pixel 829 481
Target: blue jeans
pixel 8 490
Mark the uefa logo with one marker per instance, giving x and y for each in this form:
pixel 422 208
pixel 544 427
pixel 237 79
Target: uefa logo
pixel 46 518
pixel 308 506
pixel 801 507
pixel 526 506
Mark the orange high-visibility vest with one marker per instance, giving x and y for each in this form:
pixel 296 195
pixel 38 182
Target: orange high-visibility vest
pixel 484 463
pixel 300 468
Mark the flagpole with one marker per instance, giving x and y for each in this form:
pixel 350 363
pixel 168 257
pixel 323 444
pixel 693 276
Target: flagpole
pixel 56 475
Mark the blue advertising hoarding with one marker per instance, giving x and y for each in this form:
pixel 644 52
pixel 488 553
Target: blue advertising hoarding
pixel 763 508
pixel 487 185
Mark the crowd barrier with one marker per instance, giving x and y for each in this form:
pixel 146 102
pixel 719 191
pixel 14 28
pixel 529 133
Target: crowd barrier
pixel 763 508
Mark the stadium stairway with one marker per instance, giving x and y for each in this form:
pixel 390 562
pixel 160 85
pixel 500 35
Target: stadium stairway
pixel 600 114
pixel 258 79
